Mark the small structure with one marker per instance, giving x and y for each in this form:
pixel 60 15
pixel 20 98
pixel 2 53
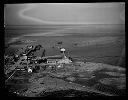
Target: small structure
pixel 24 56
pixel 29 70
pixel 53 60
pixel 62 50
pixel 30 47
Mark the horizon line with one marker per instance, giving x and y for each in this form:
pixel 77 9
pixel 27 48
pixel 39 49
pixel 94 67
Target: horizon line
pixel 64 24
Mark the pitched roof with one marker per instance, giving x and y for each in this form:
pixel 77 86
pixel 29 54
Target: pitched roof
pixel 54 57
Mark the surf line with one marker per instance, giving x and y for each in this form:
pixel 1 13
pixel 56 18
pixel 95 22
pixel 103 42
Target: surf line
pixel 29 7
pixel 32 6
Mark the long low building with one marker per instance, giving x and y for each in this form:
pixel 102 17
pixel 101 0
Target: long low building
pixel 59 59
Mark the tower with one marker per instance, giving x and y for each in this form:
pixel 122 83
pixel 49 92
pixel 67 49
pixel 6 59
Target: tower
pixel 62 50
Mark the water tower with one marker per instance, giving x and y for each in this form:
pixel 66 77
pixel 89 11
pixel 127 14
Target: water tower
pixel 62 50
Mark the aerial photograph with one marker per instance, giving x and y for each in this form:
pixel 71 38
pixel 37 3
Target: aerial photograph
pixel 64 49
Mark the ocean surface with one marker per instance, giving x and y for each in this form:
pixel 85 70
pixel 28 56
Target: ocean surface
pixel 97 43
pixel 14 31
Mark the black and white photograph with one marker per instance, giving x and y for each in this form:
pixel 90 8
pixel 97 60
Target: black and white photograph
pixel 64 49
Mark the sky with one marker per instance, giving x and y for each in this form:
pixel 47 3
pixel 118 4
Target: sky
pixel 64 13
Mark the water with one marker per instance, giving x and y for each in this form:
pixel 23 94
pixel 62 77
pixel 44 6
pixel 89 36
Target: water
pixel 100 30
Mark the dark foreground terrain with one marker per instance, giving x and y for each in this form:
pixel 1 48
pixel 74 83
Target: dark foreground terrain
pixel 90 79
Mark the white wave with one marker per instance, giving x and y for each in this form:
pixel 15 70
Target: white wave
pixel 15 39
pixel 31 6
